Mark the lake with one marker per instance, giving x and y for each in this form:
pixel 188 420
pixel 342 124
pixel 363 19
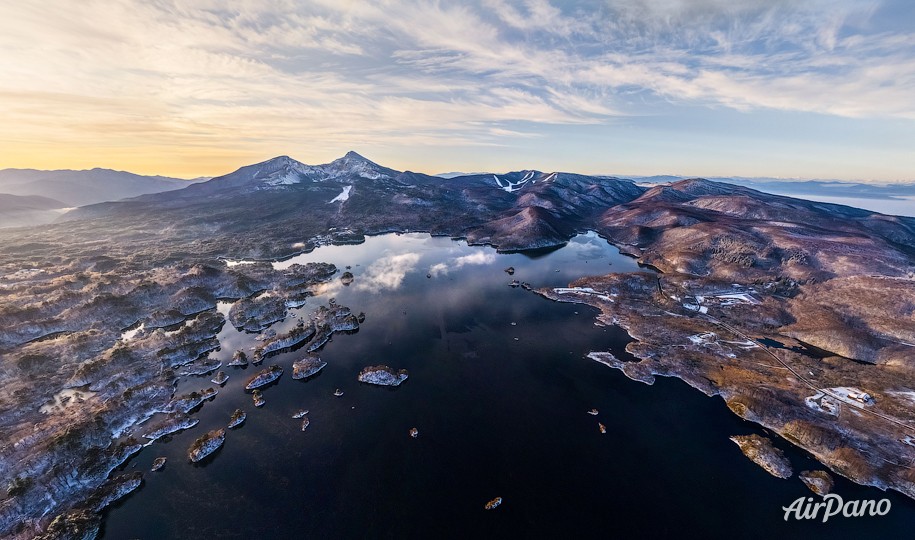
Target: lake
pixel 499 390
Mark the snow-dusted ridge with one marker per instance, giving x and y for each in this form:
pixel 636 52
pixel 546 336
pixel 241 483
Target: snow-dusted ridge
pixel 282 171
pixel 285 171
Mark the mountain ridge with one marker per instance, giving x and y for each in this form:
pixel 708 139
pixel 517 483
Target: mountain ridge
pixel 87 186
pixel 291 194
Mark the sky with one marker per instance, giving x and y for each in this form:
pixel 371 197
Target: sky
pixel 781 88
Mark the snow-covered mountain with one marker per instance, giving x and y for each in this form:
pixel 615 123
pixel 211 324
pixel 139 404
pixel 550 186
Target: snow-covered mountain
pixel 354 165
pixel 354 189
pixel 283 171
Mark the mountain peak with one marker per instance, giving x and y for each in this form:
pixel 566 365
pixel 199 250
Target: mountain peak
pixel 281 161
pixel 353 163
pixel 352 158
pixel 281 170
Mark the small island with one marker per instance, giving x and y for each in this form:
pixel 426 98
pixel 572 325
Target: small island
pixel 220 378
pixel 239 359
pixel 382 375
pixel 819 482
pixel 264 377
pixel 761 451
pixel 237 419
pixel 258 398
pixel 307 367
pixel 206 445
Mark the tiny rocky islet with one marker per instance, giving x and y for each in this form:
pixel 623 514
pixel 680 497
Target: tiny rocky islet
pixel 220 378
pixel 264 377
pixel 258 398
pixel 382 375
pixel 238 418
pixel 307 367
pixel 762 452
pixel 206 445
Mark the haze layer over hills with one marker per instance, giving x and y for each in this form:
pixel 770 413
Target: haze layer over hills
pixel 31 197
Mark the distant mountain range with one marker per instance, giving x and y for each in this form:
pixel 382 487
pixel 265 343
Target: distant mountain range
pixel 455 174
pixel 835 188
pixel 281 206
pixel 78 188
pixel 26 194
pixel 31 197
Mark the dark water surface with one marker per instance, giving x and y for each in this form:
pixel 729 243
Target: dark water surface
pixel 501 410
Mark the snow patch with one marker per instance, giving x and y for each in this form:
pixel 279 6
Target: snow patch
pixel 736 298
pixel 820 402
pixel 567 290
pixel 342 196
pixel 907 395
pixel 127 335
pixel 291 177
pixel 65 398
pixel 512 187
pixel 230 263
pixel 702 339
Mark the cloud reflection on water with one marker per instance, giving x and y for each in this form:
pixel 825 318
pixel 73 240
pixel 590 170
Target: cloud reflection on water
pixel 387 272
pixel 478 258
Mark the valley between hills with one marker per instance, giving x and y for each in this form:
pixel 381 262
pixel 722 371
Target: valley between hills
pixel 800 315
